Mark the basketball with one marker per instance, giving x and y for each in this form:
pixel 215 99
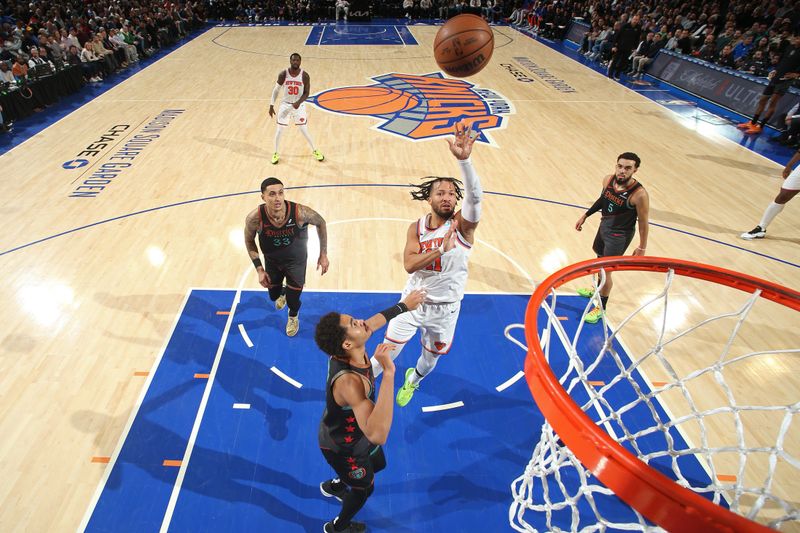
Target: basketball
pixel 463 46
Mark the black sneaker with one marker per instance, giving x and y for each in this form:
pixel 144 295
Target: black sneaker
pixel 755 233
pixel 327 488
pixel 354 527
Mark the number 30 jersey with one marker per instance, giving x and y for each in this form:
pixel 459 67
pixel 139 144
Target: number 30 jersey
pixel 286 242
pixel 293 87
pixel 445 278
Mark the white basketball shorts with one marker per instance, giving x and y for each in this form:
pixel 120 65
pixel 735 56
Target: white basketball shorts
pixel 792 182
pixel 287 113
pixel 437 323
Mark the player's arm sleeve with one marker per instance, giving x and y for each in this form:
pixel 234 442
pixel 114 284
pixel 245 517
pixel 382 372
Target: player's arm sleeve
pixel 275 92
pixel 597 206
pixel 473 193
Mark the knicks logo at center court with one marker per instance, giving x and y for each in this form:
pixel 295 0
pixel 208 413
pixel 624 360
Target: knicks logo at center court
pixel 420 107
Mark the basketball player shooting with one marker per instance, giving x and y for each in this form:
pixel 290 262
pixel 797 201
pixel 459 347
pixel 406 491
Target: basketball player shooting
pixel 297 86
pixel 436 256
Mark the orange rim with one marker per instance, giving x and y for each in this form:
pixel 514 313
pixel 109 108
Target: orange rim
pixel 654 495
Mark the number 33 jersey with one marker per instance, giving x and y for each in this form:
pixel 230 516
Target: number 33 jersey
pixel 286 242
pixel 444 278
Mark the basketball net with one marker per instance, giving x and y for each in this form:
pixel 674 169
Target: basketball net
pixel 591 457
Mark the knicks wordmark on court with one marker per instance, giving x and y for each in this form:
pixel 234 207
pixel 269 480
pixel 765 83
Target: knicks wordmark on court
pixel 420 107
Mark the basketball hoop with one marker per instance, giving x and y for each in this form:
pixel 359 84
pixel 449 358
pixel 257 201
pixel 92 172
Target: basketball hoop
pixel 574 447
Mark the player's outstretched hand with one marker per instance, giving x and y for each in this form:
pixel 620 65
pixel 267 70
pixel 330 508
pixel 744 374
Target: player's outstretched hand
pixel 271 111
pixel 579 223
pixel 383 356
pixel 414 299
pixel 464 138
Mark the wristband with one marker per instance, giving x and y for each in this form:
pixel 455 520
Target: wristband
pixel 257 263
pixel 393 311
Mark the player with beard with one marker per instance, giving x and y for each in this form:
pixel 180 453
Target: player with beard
pixel 436 256
pixel 622 202
pixel 282 230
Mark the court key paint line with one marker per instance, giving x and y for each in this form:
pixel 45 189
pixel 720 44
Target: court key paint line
pixel 506 384
pixel 244 335
pixel 285 378
pixel 176 489
pixel 241 406
pixel 443 407
pixel 135 411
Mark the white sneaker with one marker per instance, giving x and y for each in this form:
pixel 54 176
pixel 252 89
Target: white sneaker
pixel 755 233
pixel 292 326
pixel 280 303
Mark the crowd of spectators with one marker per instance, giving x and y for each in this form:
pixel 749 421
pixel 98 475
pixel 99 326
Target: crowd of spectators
pixel 255 11
pixel 105 36
pixel 42 37
pixel 749 36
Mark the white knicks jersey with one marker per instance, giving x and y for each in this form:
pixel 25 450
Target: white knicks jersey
pixel 445 278
pixel 293 87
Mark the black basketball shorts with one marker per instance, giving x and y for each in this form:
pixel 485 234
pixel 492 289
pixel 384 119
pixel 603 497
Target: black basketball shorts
pixel 611 241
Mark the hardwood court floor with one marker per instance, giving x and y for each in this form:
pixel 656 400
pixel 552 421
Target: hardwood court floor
pixel 82 311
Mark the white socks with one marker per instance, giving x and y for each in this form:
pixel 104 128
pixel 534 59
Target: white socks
pixel 425 365
pixel 304 130
pixel 278 133
pixel 770 213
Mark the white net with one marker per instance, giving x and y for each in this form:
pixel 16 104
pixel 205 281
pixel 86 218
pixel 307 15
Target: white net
pixel 681 402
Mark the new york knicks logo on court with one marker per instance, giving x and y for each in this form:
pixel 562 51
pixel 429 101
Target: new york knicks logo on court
pixel 420 107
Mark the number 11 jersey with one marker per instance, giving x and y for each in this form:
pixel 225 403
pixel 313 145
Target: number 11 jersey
pixel 444 278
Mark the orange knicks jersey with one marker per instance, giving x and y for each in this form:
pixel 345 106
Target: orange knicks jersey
pixel 445 278
pixel 293 87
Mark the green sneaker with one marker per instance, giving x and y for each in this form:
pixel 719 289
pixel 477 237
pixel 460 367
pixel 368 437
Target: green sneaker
pixel 275 158
pixel 406 392
pixel 593 316
pixel 318 155
pixel 280 303
pixel 585 292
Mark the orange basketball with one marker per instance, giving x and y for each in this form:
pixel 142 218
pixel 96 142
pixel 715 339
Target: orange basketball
pixel 367 100
pixel 463 46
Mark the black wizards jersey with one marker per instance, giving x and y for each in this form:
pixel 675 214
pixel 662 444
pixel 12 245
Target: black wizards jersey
pixel 282 242
pixel 338 429
pixel 618 212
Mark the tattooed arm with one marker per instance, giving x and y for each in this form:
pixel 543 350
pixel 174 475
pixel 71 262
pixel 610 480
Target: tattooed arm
pixel 306 215
pixel 250 228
